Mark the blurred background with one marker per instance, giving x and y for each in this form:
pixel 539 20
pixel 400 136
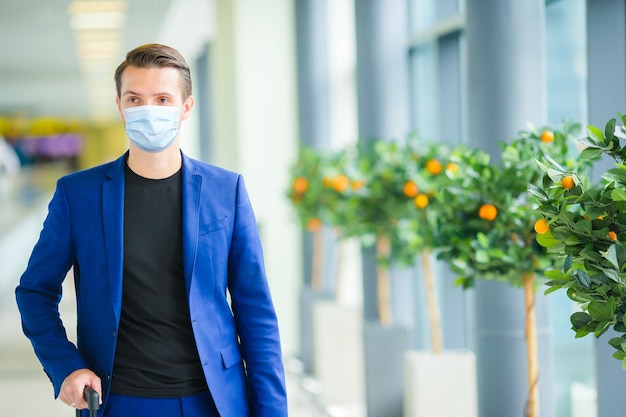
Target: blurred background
pixel 270 75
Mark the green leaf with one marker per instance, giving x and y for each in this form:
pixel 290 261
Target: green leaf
pixel 547 240
pixel 596 135
pixel 581 333
pixel 580 319
pixel 618 343
pixel 483 240
pixel 555 274
pixel 609 129
pixel 611 305
pixel 611 274
pixel 552 289
pixel 618 194
pixel 583 226
pixel 582 278
pixel 591 153
pixel 599 311
pixel 482 256
pixel 601 327
pixel 537 192
pixel 572 240
pixel 611 256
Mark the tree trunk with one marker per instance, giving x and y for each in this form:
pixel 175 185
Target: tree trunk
pixel 433 305
pixel 532 404
pixel 383 251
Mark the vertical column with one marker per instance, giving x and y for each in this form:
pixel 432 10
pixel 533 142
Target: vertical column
pixel 382 102
pixel 254 92
pixel 454 300
pixel 314 131
pixel 203 103
pixel 506 89
pixel 606 58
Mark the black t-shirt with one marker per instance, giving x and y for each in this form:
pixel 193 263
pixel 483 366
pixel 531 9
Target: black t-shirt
pixel 156 354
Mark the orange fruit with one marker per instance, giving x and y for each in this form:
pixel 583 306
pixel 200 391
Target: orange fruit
pixel 300 185
pixel 421 201
pixel 433 166
pixel 547 136
pixel 341 183
pixel 314 224
pixel 327 182
pixel 410 189
pixel 452 167
pixel 612 235
pixel 541 226
pixel 567 182
pixel 358 184
pixel 487 212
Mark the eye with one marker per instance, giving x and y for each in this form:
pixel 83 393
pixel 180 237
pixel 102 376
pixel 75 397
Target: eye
pixel 133 100
pixel 164 100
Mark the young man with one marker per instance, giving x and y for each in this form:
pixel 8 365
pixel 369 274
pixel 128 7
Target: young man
pixel 156 241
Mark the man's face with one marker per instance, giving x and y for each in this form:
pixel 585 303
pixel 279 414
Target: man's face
pixel 152 87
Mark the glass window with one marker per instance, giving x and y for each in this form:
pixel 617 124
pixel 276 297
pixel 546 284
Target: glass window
pixel 436 55
pixel 567 99
pixel 566 61
pixel 424 81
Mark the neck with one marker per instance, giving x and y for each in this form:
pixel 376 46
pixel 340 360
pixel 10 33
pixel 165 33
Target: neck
pixel 155 165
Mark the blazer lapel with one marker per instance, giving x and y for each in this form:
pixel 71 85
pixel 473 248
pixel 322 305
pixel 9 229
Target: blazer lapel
pixel 113 217
pixel 192 183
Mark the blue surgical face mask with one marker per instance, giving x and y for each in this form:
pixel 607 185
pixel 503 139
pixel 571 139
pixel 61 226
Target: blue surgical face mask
pixel 152 128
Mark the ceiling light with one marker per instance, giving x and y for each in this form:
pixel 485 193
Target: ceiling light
pixel 110 6
pixel 98 21
pixel 86 35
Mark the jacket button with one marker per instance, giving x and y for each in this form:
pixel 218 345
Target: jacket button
pixel 114 333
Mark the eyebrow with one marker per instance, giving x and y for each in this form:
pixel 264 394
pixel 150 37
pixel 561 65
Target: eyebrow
pixel 133 93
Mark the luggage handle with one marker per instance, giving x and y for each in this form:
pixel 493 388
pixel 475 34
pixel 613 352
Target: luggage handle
pixel 93 402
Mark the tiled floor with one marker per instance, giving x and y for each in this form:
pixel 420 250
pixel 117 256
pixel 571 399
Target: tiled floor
pixel 24 388
pixel 26 391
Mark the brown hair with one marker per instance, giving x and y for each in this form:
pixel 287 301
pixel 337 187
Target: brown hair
pixel 155 55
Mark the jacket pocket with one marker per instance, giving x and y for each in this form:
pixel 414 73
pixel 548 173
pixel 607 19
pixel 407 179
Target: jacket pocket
pixel 230 355
pixel 213 226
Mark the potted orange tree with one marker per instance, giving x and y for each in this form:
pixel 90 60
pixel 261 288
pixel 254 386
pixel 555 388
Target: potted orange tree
pixel 430 375
pixel 485 229
pixel 378 193
pixel 584 226
pixel 388 212
pixel 317 190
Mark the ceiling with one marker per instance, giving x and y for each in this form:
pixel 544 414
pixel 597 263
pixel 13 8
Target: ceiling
pixel 40 69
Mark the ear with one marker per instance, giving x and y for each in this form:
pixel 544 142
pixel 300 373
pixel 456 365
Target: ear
pixel 187 106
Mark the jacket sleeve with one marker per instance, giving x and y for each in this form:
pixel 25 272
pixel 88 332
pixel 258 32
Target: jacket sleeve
pixel 254 314
pixel 39 293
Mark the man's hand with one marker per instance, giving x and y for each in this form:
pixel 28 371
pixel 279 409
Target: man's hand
pixel 74 385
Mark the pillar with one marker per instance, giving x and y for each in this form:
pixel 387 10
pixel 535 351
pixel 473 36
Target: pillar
pixel 506 89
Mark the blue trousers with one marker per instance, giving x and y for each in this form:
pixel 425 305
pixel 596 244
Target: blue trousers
pixel 198 405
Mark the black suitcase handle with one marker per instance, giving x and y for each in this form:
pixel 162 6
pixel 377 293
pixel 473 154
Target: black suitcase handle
pixel 93 402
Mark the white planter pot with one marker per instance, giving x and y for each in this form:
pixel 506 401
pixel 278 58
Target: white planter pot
pixel 441 385
pixel 338 352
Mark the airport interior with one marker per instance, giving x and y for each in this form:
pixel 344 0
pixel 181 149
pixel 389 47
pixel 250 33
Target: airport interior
pixel 448 104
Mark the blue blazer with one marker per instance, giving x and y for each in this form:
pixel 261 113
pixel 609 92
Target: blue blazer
pixel 239 347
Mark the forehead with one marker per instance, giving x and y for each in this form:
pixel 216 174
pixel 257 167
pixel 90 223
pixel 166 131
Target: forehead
pixel 150 80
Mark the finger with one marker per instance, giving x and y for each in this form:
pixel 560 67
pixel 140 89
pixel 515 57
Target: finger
pixel 96 385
